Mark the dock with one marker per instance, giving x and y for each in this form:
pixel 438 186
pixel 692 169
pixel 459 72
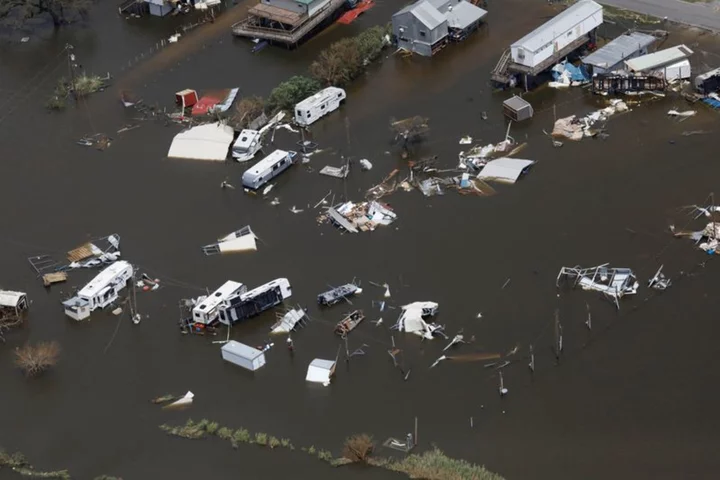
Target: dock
pixel 291 27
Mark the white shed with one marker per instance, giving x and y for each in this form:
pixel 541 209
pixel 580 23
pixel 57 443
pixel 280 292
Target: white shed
pixel 557 33
pixel 321 371
pixel 15 301
pixel 243 355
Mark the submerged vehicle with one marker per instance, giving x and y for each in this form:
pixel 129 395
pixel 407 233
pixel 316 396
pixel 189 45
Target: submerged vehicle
pixel 348 324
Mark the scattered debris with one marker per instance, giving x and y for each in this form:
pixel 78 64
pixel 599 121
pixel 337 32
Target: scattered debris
pixel 440 359
pixel 457 339
pixel 566 74
pixel 243 355
pixel 574 128
pixel 502 390
pixel 354 217
pixel 218 101
pixel 225 184
pixel 612 282
pixel 296 210
pixel 659 281
pixel 331 297
pixel 56 277
pixel 183 401
pixel 242 240
pixel 98 140
pixel 412 320
pixel 337 172
pixel 288 321
pixel 365 164
pixel 466 140
pixel 687 113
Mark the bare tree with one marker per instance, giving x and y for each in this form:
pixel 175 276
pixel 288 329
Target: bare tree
pixel 34 360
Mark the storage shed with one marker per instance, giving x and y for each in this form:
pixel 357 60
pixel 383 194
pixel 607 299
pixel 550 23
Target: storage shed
pixel 14 302
pixel 186 98
pixel 610 57
pixel 321 371
pixel 517 109
pixel 566 28
pixel 243 355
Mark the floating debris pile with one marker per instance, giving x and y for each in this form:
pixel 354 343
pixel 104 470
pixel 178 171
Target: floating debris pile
pixel 353 217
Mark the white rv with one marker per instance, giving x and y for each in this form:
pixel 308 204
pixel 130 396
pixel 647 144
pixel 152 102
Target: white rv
pixel 312 108
pixel 206 312
pixel 247 145
pixel 267 169
pixel 100 292
pixel 256 301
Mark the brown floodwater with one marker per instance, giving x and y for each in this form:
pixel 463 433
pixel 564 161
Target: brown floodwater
pixel 634 398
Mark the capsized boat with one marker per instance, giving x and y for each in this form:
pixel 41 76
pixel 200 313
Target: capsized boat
pixel 349 323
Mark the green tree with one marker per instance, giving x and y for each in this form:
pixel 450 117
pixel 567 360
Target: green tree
pixel 292 91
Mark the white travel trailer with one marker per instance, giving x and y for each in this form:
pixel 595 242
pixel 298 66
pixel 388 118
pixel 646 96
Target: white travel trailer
pixel 256 301
pixel 100 292
pixel 313 108
pixel 206 312
pixel 243 355
pixel 247 145
pixel 268 168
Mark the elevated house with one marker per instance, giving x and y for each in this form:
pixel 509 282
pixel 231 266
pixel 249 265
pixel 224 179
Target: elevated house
pixel 288 21
pixel 611 56
pixel 545 46
pixel 426 26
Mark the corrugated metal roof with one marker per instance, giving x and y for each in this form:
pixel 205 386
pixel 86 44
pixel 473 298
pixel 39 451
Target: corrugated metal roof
pixel 618 50
pixel 517 103
pixel 428 15
pixel 463 14
pixel 659 58
pixel 558 25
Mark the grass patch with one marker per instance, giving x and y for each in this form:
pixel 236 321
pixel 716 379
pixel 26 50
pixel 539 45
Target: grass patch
pixel 435 465
pixel 621 14
pixel 19 464
pixel 82 86
pixel 261 438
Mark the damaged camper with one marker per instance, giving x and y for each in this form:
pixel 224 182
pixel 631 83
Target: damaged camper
pixel 614 283
pixel 100 292
pixel 246 305
pixel 412 319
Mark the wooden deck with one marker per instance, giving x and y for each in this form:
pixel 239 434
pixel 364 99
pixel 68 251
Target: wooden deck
pixel 289 34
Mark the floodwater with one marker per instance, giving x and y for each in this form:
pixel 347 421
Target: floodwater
pixel 636 397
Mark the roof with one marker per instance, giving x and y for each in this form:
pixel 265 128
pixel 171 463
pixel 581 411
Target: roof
pixel 619 49
pixel 104 278
pixel 241 350
pixel 463 14
pixel 517 103
pixel 659 58
pixel 320 96
pixel 561 23
pixel 204 142
pixel 226 289
pixel 8 298
pixel 504 169
pixel 323 364
pixel 426 13
pixel 267 162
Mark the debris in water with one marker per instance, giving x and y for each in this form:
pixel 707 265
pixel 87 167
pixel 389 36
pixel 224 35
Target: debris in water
pixel 184 401
pixel 687 113
pixel 275 201
pixel 267 189
pixel 378 322
pixel 438 361
pixel 459 338
pixel 466 140
pixel 296 210
pixel 226 184
pixel 365 164
pixel 242 240
pixel 659 281
pixel 503 391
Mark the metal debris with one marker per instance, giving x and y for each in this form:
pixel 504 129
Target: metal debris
pixel 659 281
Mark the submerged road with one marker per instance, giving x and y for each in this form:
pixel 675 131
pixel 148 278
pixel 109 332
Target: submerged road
pixel 704 15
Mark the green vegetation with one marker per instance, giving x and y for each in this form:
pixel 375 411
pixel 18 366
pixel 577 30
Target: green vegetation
pixel 290 92
pixel 435 465
pixel 82 86
pixel 620 14
pixel 19 464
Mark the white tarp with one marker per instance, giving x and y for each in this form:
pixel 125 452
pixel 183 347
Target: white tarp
pixel 504 169
pixel 320 371
pixel 204 142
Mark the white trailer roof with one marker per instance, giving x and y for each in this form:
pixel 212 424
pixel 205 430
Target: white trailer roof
pixel 8 298
pixel 103 279
pixel 618 49
pixel 267 162
pixel 659 58
pixel 204 142
pixel 504 169
pixel 319 97
pixel 241 350
pixel 218 296
pixel 558 25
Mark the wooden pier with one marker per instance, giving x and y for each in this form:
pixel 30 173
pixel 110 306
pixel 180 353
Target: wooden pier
pixel 506 68
pixel 283 26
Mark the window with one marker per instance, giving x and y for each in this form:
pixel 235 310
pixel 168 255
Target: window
pixel 299 113
pixel 308 114
pixel 339 95
pixel 243 139
pixel 422 33
pixel 322 107
pixel 217 294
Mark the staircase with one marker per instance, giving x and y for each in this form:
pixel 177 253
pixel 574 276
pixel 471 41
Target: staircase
pixel 500 72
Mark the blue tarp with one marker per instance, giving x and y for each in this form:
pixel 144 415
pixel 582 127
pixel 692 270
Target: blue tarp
pixel 712 102
pixel 577 74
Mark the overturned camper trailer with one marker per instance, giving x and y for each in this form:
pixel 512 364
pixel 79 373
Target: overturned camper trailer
pixel 100 292
pixel 313 108
pixel 331 297
pixel 246 145
pixel 206 312
pixel 268 168
pixel 255 301
pixel 614 283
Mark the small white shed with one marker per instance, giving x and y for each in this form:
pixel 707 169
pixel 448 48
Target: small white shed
pixel 14 301
pixel 243 355
pixel 321 371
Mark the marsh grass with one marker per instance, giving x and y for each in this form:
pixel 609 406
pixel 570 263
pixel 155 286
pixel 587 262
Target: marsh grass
pixel 19 464
pixel 435 465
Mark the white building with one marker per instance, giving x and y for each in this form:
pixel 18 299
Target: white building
pixel 561 31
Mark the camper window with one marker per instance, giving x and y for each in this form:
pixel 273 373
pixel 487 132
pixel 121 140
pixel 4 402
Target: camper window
pixel 276 166
pixel 202 307
pixel 243 139
pixel 308 114
pixel 299 113
pixel 339 95
pixel 322 107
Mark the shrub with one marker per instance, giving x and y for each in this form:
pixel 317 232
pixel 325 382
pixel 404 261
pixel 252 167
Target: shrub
pixel 325 455
pixel 211 428
pixel 358 447
pixel 241 435
pixel 292 91
pixel 247 110
pixel 434 465
pixel 273 442
pixel 34 360
pixel 286 443
pixel 261 438
pixel 224 433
